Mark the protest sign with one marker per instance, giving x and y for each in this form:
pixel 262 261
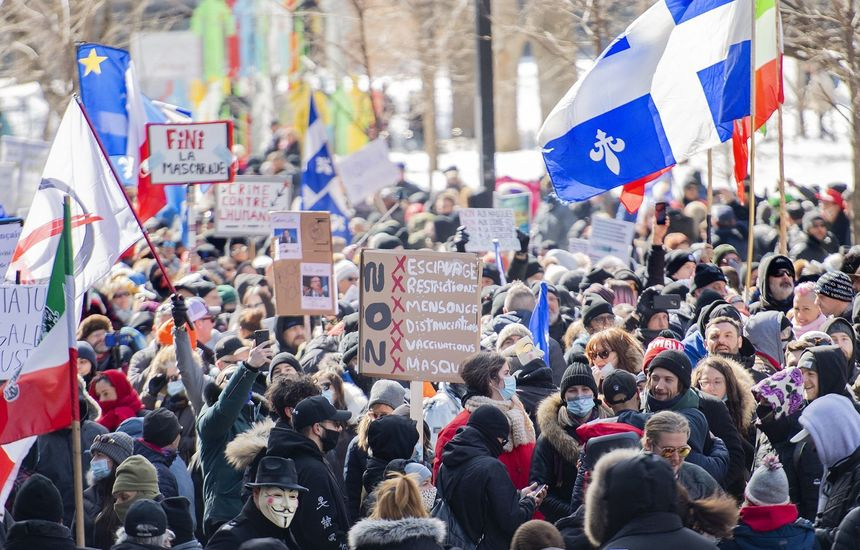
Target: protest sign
pixel 610 238
pixel 366 171
pixel 578 245
pixel 195 152
pixel 420 314
pixel 21 309
pixel 10 230
pixel 486 224
pixel 302 273
pixel 520 203
pixel 242 208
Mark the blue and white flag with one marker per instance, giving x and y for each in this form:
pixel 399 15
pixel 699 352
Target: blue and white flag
pixel 668 87
pixel 539 322
pixel 321 188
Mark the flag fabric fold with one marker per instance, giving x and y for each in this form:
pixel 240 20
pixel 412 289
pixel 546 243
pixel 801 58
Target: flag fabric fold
pixel 539 321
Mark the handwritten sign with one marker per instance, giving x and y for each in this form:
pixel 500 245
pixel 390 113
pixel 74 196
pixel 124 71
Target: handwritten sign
pixel 368 170
pixel 10 231
pixel 303 278
pixel 21 309
pixel 610 237
pixel 420 314
pixel 520 203
pixel 196 152
pixel 242 208
pixel 486 224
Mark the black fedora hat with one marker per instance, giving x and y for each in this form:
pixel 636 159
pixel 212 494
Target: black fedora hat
pixel 275 471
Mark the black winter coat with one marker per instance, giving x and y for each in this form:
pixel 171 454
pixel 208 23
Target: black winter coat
pixel 166 480
pixel 37 534
pixel 402 534
pixel 657 530
pixel 322 511
pixel 353 474
pixel 534 384
pixel 479 491
pixel 811 249
pixel 840 494
pixel 249 524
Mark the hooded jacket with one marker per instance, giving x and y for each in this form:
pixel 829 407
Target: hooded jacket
pixel 840 325
pixel 388 438
pixel 479 492
pixel 126 405
pixel 716 461
pixel 400 534
pixel 534 383
pixel 37 533
pixel 774 527
pixel 763 330
pixel 831 366
pixel 766 301
pixel 811 249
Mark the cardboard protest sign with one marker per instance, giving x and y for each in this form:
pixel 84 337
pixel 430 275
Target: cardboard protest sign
pixel 520 203
pixel 303 277
pixel 10 231
pixel 420 314
pixel 486 224
pixel 242 208
pixel 194 152
pixel 610 238
pixel 366 171
pixel 21 308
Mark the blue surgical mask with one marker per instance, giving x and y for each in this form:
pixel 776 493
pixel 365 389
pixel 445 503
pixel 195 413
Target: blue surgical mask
pixel 510 389
pixel 329 394
pixel 99 468
pixel 580 407
pixel 175 387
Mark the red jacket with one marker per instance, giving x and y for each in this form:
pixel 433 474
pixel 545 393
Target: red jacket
pixel 518 462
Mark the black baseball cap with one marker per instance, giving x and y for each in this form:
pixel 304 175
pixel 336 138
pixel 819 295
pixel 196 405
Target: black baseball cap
pixel 315 409
pixel 228 346
pixel 619 382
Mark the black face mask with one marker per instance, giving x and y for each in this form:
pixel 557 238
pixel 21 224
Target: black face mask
pixel 329 439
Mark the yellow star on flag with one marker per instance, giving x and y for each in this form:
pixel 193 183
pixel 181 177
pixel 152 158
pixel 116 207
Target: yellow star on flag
pixel 92 62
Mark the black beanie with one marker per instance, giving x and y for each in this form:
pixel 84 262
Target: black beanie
pixel 491 271
pixel 490 421
pixel 38 498
pixel 160 427
pixel 675 362
pixel 86 351
pixel 707 274
pixel 285 358
pixel 594 307
pixel 533 267
pixel 676 259
pixel 179 520
pixel 578 374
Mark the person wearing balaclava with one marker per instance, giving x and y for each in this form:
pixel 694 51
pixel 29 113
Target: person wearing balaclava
pixel 476 487
pixel 838 447
pixel 135 479
pixel 270 510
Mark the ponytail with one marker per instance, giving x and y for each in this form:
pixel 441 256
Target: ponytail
pixel 398 497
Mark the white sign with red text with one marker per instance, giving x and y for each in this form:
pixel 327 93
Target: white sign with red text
pixel 196 152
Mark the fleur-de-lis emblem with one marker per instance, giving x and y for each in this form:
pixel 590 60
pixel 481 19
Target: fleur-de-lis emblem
pixel 323 166
pixel 605 148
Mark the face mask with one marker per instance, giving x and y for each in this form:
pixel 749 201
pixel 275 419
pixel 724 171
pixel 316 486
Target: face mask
pixel 580 406
pixel 510 389
pixel 329 394
pixel 428 497
pixel 99 468
pixel 121 508
pixel 606 369
pixel 175 387
pixel 329 440
pixel 277 505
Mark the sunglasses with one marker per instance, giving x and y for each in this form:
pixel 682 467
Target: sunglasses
pixel 667 452
pixel 782 273
pixel 603 354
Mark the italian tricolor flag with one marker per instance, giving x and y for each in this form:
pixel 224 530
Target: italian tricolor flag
pixel 768 84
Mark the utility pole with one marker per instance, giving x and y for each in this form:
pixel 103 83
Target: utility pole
pixel 484 124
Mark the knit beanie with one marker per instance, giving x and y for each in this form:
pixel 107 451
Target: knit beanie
pixel 490 421
pixel 344 269
pixel 38 498
pixel 348 347
pixel 675 362
pixel 811 217
pixel 578 374
pixel 86 351
pixel 658 345
pixel 593 308
pixel 722 250
pixel 136 474
pixel 836 285
pixel 117 446
pixel 160 427
pixel 513 329
pixel 707 274
pixel 676 259
pixel 387 392
pixel 768 485
pixel 227 294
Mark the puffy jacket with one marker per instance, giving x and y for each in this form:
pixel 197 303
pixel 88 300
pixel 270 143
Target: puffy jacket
pixel 401 534
pixel 771 527
pixel 534 384
pixel 36 534
pixel 353 475
pixel 840 494
pixel 161 460
pixel 811 249
pixel 657 530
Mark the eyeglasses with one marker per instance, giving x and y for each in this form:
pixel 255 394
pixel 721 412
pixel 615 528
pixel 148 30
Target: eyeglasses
pixel 667 452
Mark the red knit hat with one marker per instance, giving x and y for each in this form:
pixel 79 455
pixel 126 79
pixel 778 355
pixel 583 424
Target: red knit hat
pixel 656 346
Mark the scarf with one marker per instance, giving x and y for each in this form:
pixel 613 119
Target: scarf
pixel 522 429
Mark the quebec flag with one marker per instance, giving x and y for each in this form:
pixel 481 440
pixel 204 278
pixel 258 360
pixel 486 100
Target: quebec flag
pixel 668 87
pixel 321 188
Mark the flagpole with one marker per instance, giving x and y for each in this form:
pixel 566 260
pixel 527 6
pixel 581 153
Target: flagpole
pixel 124 194
pixel 71 324
pixel 710 196
pixel 783 219
pixel 751 198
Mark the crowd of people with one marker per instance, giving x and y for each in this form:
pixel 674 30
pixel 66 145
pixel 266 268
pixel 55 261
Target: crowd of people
pixel 672 407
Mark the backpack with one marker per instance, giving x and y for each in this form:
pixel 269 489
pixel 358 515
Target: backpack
pixel 456 536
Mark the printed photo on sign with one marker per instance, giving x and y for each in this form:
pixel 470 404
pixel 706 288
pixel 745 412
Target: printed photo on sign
pixel 287 232
pixel 316 286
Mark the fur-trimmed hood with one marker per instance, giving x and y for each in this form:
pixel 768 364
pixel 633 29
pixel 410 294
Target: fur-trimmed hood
pixel 552 429
pixel 378 532
pixel 247 445
pixel 356 402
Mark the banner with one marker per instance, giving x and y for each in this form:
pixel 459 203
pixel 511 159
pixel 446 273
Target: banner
pixel 304 281
pixel 520 203
pixel 242 208
pixel 21 308
pixel 610 238
pixel 486 224
pixel 10 231
pixel 366 171
pixel 420 314
pixel 194 152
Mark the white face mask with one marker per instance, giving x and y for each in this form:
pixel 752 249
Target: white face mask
pixel 606 369
pixel 428 497
pixel 277 505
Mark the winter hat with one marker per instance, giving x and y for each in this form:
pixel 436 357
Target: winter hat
pixel 136 474
pixel 707 274
pixel 811 217
pixel 145 518
pixel 834 441
pixel 387 392
pixel 491 271
pixel 533 267
pixel 38 498
pixel 836 285
pixel 768 485
pixel 781 391
pixel 86 351
pixel 676 259
pixel 345 269
pixel 490 421
pixel 179 519
pixel 283 358
pixel 724 215
pixel 596 275
pixel 92 324
pixel 419 470
pixel 593 308
pixel 578 374
pixel 228 294
pixel 723 250
pixel 619 382
pixel 657 346
pixel 564 258
pixel 392 437
pixel 160 427
pixel 348 347
pixel 384 241
pixel 513 329
pixel 117 446
pixel 675 362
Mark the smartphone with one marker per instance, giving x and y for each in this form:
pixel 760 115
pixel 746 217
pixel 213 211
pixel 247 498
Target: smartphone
pixel 114 339
pixel 261 337
pixel 667 302
pixel 660 213
pixel 540 489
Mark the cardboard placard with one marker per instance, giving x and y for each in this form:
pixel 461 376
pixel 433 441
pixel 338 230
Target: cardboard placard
pixel 520 203
pixel 242 208
pixel 10 231
pixel 420 314
pixel 486 224
pixel 304 280
pixel 193 152
pixel 21 309
pixel 610 237
pixel 366 171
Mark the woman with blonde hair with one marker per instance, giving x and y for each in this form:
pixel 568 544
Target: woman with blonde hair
pixel 614 349
pixel 398 521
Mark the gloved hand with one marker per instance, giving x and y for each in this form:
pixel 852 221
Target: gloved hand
pixel 179 311
pixel 461 238
pixel 524 241
pixel 178 512
pixel 156 384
